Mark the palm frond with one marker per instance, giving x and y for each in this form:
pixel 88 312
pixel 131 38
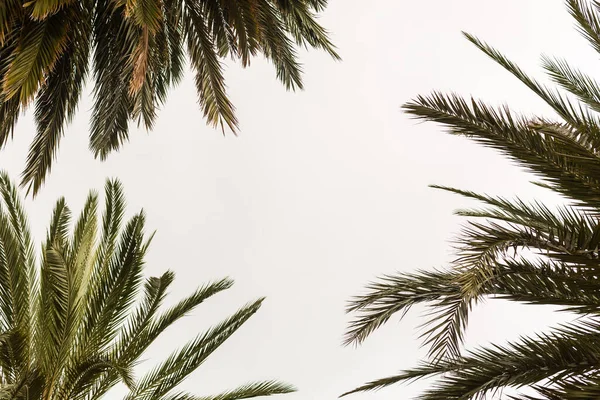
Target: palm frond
pixel 39 48
pixel 573 114
pixel 278 47
pixel 568 167
pixel 57 101
pixel 136 48
pixel 396 294
pixel 163 378
pixel 588 23
pixel 210 82
pixel 72 325
pixel 564 353
pixel 513 249
pixel 115 40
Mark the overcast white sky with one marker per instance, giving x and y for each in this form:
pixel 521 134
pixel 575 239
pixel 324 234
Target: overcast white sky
pixel 324 189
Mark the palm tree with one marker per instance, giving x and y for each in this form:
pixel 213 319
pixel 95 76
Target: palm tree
pixel 75 324
pixel 513 249
pixel 137 50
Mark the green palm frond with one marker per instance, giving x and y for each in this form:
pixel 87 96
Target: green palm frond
pixel 39 47
pixel 137 49
pixel 210 83
pixel 588 22
pixel 512 249
pixel 76 322
pixel 57 100
pixel 277 46
pixel 561 355
pixel 576 82
pixel 566 165
pixel 180 364
pixel 575 115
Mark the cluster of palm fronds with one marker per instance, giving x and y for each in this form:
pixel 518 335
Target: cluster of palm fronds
pixel 75 324
pixel 495 248
pixel 137 50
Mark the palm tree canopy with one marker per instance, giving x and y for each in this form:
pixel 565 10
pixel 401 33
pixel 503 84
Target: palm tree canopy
pixel 495 247
pixel 75 323
pixel 137 50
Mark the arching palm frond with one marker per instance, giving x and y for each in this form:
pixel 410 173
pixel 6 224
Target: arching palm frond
pixel 513 249
pixel 76 322
pixel 562 356
pixel 138 49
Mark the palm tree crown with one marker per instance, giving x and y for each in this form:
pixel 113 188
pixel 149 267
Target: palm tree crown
pixel 75 323
pixel 137 50
pixel 495 248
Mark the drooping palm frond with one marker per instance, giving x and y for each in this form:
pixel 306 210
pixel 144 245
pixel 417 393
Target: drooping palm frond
pixel 75 323
pixel 510 248
pixel 560 356
pixel 57 99
pixel 138 50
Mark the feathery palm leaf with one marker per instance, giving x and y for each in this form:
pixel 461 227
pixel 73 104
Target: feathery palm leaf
pixel 138 50
pixel 72 325
pixel 512 249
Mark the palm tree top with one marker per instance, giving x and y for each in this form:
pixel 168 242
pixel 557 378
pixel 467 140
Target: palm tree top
pixel 494 249
pixel 75 321
pixel 137 50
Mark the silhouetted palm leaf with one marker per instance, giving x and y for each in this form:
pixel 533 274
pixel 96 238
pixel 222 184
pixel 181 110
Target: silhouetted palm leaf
pixel 494 249
pixel 73 325
pixel 137 52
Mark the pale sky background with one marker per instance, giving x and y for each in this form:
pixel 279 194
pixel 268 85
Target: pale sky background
pixel 324 189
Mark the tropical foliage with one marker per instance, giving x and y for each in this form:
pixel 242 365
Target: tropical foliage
pixel 137 50
pixel 76 322
pixel 513 249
